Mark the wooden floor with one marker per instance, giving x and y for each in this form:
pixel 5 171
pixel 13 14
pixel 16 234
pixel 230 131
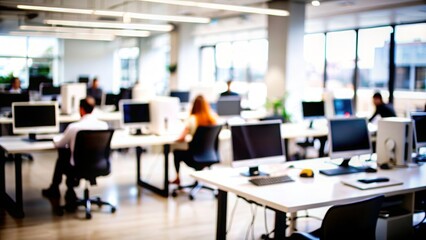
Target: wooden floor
pixel 140 213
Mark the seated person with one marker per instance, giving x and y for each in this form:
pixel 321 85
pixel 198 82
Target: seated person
pixel 65 146
pixel 382 109
pixel 201 115
pixel 15 85
pixel 228 91
pixel 95 91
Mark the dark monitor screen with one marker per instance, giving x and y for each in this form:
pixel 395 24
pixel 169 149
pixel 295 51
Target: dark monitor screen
pixel 50 90
pixel 228 106
pixel 313 109
pixel 136 113
pixel 349 135
pixel 111 99
pixel 6 99
pixel 35 81
pixel 182 95
pixel 34 116
pixel 257 142
pixel 419 119
pixel 343 107
pixel 83 79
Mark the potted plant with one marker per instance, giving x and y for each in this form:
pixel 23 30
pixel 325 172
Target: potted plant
pixel 278 109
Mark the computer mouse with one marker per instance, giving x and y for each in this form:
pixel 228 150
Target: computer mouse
pixel 306 173
pixel 385 166
pixel 370 170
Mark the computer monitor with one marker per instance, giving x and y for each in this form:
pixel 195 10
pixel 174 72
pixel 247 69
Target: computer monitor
pixel 135 115
pixel 254 144
pixel 229 106
pixel 313 110
pixel 348 137
pixel 83 79
pixel 343 107
pixel 35 117
pixel 6 99
pixel 110 99
pixel 182 95
pixel 419 119
pixel 71 94
pixel 165 115
pixel 36 81
pixel 49 92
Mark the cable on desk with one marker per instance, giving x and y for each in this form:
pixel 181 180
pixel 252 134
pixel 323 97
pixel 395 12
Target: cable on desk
pixel 232 216
pixel 251 226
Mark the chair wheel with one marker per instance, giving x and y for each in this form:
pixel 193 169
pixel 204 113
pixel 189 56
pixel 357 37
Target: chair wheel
pixel 174 193
pixel 88 216
pixel 191 197
pixel 113 209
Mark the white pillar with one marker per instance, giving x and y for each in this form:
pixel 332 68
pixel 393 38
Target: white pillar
pixel 286 72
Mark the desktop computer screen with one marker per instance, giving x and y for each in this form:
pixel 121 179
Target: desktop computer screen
pixel 182 95
pixel 229 106
pixel 135 115
pixel 35 117
pixel 6 99
pixel 258 143
pixel 343 107
pixel 419 119
pixel 348 137
pixel 312 110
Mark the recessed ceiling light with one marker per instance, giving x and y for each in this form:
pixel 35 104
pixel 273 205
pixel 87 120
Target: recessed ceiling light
pixel 316 3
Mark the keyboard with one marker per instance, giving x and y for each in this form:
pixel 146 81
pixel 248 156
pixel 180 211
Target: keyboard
pixel 262 181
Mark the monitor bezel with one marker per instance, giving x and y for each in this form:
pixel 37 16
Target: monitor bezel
pixel 40 129
pixel 351 153
pixel 258 161
pixel 417 144
pixel 135 124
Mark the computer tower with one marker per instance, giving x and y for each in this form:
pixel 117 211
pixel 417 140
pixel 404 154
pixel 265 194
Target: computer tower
pixel 394 142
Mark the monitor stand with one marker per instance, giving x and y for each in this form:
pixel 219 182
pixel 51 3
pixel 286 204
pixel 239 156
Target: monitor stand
pixel 138 132
pixel 254 172
pixel 343 168
pixel 32 137
pixel 311 124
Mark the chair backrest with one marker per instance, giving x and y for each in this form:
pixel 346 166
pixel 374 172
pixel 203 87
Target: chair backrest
pixel 204 144
pixel 352 221
pixel 91 154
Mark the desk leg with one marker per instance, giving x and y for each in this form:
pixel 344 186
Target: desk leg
pixel 286 148
pixel 280 224
pixel 222 203
pixel 15 208
pixel 162 192
pixel 323 141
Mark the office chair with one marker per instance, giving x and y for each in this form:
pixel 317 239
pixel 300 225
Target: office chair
pixel 91 160
pixel 350 221
pixel 202 152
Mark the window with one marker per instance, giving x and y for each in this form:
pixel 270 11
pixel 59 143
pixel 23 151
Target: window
pixel 223 61
pixel 373 57
pixel 129 65
pixel 340 55
pixel 410 57
pixel 208 68
pixel 314 55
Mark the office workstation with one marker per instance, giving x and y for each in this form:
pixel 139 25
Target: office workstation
pixel 307 109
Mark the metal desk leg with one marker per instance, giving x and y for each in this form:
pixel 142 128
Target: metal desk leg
pixel 162 192
pixel 280 224
pixel 286 148
pixel 222 202
pixel 15 208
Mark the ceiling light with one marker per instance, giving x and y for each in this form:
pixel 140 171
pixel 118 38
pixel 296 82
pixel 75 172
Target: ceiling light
pixel 170 18
pixel 136 26
pixel 124 33
pixel 80 36
pixel 217 6
pixel 316 3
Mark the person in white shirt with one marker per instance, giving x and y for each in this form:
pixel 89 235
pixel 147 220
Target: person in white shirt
pixel 65 145
pixel 15 85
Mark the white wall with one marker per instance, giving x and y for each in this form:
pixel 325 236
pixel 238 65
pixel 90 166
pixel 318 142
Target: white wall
pixel 93 58
pixel 188 57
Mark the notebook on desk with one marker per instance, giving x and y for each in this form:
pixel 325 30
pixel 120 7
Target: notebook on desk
pixel 365 186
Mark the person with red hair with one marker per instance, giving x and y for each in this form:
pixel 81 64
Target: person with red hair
pixel 201 115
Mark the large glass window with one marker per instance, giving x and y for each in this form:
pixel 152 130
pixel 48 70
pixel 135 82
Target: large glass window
pixel 410 57
pixel 223 61
pixel 258 60
pixel 208 67
pixel 373 57
pixel 129 65
pixel 340 55
pixel 314 55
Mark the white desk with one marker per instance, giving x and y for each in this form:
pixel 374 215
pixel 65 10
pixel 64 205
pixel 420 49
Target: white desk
pixel 304 193
pixel 16 145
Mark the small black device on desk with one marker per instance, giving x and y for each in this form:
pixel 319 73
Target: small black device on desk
pixel 262 181
pixel 374 180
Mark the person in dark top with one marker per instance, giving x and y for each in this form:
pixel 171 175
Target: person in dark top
pixel 228 92
pixel 95 91
pixel 382 109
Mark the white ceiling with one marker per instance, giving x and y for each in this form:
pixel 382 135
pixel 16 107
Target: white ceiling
pixel 330 15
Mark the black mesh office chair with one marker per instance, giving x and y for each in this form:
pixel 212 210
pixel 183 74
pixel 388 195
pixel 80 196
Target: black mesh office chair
pixel 91 158
pixel 350 221
pixel 202 152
